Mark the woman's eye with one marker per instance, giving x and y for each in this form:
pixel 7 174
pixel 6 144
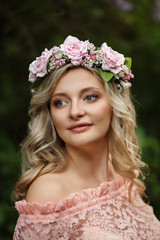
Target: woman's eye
pixel 91 98
pixel 60 103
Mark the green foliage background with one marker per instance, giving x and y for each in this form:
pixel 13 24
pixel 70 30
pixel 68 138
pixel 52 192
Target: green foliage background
pixel 27 27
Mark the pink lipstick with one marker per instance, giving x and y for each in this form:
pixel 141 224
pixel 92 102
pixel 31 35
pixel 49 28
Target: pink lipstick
pixel 80 127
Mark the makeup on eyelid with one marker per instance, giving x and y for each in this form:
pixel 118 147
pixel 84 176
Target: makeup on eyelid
pixel 90 98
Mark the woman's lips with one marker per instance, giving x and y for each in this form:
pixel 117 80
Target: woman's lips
pixel 81 127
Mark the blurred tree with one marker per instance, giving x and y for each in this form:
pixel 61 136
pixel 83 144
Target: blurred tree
pixel 131 27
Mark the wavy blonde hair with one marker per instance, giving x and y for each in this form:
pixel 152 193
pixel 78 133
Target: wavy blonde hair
pixel 43 150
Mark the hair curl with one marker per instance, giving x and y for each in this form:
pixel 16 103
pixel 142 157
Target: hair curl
pixel 42 150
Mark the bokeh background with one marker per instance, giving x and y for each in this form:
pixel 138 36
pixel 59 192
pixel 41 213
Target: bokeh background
pixel 27 27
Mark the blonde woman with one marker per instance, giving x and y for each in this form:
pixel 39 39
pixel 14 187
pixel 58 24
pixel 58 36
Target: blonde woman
pixel 81 159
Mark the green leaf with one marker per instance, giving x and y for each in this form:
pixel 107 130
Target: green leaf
pixel 107 76
pixel 128 62
pixel 35 85
pixel 65 57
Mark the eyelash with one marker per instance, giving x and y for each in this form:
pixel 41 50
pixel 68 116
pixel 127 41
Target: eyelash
pixel 95 96
pixel 59 101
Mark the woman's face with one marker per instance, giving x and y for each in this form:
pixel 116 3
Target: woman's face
pixel 80 108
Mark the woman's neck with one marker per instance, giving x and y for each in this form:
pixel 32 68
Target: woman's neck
pixel 89 163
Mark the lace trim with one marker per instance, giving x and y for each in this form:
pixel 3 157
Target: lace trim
pixel 87 196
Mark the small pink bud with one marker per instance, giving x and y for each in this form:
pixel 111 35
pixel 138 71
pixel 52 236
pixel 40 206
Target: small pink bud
pixel 32 91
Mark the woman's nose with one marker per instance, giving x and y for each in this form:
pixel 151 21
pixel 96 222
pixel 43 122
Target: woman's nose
pixel 77 111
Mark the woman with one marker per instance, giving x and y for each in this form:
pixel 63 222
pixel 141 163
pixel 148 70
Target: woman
pixel 81 159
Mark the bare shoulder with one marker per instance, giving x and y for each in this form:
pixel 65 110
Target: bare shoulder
pixel 46 188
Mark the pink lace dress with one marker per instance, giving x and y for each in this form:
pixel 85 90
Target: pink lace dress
pixel 102 213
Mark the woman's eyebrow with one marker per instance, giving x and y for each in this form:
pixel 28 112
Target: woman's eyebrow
pixel 59 94
pixel 89 89
pixel 62 94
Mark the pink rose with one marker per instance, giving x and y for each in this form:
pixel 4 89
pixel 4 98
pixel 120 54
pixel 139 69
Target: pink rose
pixel 112 60
pixel 32 77
pixel 39 66
pixel 74 49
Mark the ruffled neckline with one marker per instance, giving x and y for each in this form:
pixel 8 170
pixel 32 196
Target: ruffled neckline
pixel 89 196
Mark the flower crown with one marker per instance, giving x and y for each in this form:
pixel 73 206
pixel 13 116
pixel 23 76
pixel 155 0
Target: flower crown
pixel 112 66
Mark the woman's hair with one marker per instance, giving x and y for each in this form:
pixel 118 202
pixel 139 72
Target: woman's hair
pixel 43 150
